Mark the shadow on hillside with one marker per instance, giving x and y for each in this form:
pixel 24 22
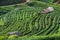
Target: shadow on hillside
pixel 11 2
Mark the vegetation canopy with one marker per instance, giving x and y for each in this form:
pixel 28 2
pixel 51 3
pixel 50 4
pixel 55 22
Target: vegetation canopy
pixel 27 20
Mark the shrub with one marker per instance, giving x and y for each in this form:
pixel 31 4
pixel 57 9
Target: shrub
pixel 13 36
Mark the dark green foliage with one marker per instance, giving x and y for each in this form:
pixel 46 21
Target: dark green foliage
pixel 56 1
pixel 47 1
pixel 7 2
pixel 37 4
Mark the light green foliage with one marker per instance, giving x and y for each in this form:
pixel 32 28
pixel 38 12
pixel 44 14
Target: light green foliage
pixel 1 22
pixel 3 37
pixel 12 36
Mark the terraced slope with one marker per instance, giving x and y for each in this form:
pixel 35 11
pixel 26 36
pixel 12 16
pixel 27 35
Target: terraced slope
pixel 31 22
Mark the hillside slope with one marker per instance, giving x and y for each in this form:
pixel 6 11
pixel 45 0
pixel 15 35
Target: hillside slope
pixel 31 22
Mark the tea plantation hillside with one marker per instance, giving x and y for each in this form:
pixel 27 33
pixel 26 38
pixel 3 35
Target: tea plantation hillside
pixel 30 21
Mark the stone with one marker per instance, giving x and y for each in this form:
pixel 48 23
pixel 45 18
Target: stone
pixel 15 33
pixel 49 9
